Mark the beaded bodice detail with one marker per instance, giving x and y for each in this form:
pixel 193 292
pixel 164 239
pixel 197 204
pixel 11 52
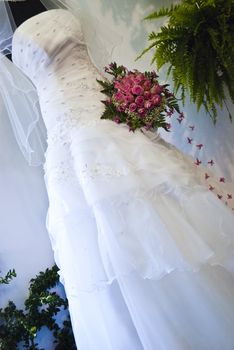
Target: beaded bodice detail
pixel 57 61
pixel 58 64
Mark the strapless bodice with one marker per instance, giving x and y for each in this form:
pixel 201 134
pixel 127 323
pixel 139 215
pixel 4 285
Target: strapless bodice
pixel 58 64
pixel 41 47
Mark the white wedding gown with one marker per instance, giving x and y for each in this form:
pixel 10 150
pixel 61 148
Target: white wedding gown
pixel 145 250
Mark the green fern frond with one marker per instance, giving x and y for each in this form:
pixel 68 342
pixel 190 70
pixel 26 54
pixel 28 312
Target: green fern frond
pixel 198 46
pixel 163 12
pixel 152 36
pixel 145 51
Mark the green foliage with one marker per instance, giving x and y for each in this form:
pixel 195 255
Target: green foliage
pixel 197 43
pixel 107 88
pixel 9 276
pixel 41 307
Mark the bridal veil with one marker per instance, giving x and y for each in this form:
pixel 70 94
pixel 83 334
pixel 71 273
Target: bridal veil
pixel 20 97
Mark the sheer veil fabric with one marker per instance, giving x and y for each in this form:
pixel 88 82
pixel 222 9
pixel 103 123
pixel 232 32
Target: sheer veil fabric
pixel 145 250
pixel 20 97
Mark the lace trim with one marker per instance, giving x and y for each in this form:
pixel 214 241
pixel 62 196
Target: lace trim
pixel 100 171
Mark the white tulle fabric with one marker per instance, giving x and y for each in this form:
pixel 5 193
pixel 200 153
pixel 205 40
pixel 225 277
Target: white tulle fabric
pixel 145 251
pixel 20 97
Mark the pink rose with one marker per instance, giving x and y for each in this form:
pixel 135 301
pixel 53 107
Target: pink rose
pixel 127 88
pixel 147 85
pixel 137 90
pixel 119 97
pixel 156 99
pixel 142 111
pixel 121 108
pixel 118 85
pixel 148 104
pixel 129 98
pixel 139 101
pixel 140 78
pixel 156 89
pixel 147 94
pixel 132 107
pixel 127 80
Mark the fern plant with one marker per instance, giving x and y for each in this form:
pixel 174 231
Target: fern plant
pixel 197 43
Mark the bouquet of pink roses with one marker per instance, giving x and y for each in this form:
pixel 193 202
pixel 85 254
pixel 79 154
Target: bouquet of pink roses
pixel 137 99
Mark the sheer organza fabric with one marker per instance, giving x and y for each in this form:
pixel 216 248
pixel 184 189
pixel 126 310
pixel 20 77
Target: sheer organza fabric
pixel 145 250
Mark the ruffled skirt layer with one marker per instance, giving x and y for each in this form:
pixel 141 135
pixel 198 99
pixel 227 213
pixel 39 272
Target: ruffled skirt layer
pixel 145 250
